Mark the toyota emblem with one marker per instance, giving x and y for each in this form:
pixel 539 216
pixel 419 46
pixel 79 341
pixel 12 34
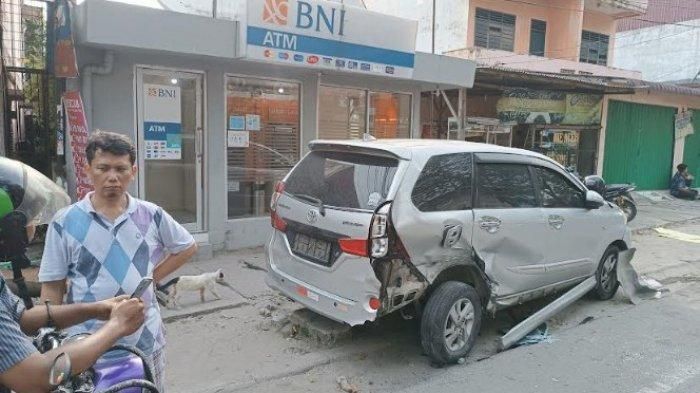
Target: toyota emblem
pixel 312 216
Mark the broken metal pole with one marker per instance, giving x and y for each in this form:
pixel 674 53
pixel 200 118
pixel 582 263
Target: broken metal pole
pixel 536 319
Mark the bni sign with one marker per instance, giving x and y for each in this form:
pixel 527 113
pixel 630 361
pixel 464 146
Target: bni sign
pixel 337 33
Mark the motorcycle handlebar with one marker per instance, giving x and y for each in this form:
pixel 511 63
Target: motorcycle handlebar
pixel 134 383
pixel 147 366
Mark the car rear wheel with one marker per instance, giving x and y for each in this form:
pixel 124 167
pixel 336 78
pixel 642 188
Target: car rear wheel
pixel 450 323
pixel 606 275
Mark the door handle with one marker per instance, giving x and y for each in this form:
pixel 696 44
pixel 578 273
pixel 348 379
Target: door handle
pixel 556 222
pixel 490 224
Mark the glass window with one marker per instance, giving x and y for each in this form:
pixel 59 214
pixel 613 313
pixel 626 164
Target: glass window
pixel 262 118
pixel 504 186
pixel 494 30
pixel 445 184
pixel 556 190
pixel 390 115
pixel 347 180
pixel 538 32
pixel 342 113
pixel 594 48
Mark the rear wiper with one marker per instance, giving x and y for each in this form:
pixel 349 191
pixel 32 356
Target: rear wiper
pixel 316 201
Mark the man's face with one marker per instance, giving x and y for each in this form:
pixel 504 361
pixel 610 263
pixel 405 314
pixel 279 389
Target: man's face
pixel 111 174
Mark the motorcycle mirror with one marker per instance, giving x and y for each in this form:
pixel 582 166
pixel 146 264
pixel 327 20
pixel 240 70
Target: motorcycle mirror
pixel 60 370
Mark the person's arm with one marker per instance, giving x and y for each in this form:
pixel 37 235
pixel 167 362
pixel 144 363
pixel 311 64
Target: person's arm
pixel 32 374
pixel 54 265
pixel 173 262
pixel 53 291
pixel 64 316
pixel 176 241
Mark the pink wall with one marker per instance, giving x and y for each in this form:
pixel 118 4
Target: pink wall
pixel 565 20
pixel 601 23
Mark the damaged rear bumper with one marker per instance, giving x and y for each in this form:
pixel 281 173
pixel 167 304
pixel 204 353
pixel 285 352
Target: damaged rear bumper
pixel 322 302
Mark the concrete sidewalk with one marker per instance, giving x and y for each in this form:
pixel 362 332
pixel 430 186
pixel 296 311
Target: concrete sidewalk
pixel 659 208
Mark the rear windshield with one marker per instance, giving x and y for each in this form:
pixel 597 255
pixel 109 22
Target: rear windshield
pixel 346 180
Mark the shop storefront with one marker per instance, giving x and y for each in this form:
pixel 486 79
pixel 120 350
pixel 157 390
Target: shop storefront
pixel 222 109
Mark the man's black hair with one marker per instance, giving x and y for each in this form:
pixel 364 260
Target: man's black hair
pixel 110 142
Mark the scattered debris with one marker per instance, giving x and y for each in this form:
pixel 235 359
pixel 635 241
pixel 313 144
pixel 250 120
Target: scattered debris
pixel 586 320
pixel 266 312
pixel 346 386
pixel 251 266
pixel 539 335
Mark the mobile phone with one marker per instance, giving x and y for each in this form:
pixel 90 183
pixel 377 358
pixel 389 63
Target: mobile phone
pixel 143 285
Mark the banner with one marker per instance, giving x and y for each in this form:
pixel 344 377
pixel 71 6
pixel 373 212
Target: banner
pixel 526 106
pixel 65 63
pixel 76 124
pixel 162 122
pixel 324 34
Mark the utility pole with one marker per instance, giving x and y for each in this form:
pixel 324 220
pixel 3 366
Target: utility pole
pixel 213 8
pixel 433 35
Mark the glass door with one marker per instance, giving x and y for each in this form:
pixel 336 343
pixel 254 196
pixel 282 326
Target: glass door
pixel 170 143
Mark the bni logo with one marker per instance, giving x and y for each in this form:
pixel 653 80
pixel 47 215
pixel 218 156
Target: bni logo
pixel 275 12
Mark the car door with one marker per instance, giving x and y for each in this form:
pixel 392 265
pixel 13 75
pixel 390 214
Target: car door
pixel 509 228
pixel 432 213
pixel 574 233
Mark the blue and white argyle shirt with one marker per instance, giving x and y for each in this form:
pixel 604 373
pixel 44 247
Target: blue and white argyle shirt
pixel 101 259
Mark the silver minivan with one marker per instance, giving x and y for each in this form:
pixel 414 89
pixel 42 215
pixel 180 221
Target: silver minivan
pixel 454 229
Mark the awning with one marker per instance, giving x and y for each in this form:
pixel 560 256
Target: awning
pixel 497 78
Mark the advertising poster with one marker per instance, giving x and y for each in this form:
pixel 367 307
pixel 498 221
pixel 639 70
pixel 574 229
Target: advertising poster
pixel 162 122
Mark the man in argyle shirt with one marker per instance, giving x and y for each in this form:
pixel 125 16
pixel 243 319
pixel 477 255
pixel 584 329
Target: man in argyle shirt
pixel 103 245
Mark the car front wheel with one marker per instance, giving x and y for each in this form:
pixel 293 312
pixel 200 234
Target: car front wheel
pixel 606 275
pixel 450 323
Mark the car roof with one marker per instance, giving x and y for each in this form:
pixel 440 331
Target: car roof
pixel 410 148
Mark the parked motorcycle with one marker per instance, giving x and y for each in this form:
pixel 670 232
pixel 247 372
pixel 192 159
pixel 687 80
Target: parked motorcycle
pixel 132 374
pixel 619 194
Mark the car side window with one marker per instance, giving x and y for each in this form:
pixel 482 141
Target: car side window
pixel 556 190
pixel 445 184
pixel 504 186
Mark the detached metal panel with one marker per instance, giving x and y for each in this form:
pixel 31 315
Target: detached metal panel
pixel 639 145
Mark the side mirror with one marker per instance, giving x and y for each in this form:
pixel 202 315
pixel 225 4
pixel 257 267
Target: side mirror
pixel 60 370
pixel 594 200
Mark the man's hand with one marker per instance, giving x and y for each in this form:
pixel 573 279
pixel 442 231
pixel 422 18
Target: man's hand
pixel 105 307
pixel 127 316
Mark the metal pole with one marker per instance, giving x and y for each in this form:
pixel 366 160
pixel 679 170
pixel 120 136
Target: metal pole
pixel 214 8
pixel 433 45
pixel 536 319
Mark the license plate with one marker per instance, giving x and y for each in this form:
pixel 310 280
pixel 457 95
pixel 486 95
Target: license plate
pixel 310 247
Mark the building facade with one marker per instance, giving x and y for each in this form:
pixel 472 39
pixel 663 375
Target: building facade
pixel 222 108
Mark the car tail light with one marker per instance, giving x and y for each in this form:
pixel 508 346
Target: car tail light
pixel 354 246
pixel 379 234
pixel 374 303
pixel 277 221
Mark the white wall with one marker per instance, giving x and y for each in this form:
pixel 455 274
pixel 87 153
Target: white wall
pixel 450 22
pixel 662 53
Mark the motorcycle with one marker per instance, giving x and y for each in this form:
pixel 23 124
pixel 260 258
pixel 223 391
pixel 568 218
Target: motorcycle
pixel 619 194
pixel 132 374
